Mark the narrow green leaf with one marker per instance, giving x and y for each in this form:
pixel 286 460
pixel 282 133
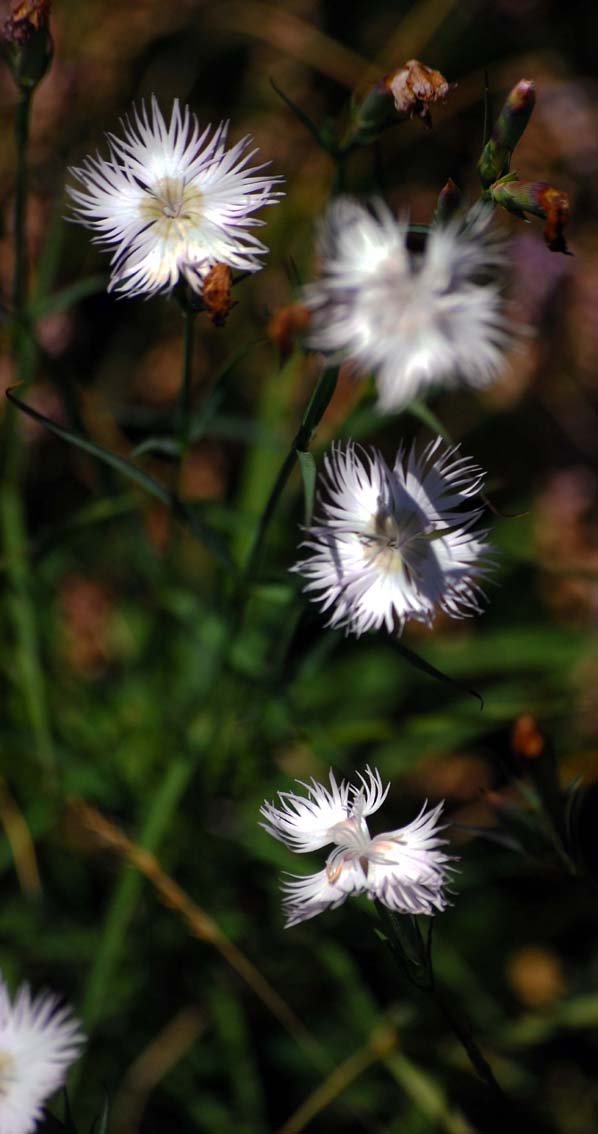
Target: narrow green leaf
pixel 207 412
pixel 100 1123
pixel 308 472
pixel 426 667
pixel 164 446
pixel 149 483
pixel 303 118
pixel 317 406
pixel 68 1115
pixel 424 414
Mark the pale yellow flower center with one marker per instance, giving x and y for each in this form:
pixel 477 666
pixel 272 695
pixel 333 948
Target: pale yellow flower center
pixel 382 547
pixel 173 207
pixel 7 1065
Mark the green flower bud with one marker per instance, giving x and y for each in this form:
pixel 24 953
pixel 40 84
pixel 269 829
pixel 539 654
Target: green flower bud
pixel 512 120
pixel 373 115
pixel 449 200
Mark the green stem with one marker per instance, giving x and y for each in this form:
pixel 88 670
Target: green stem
pixel 19 289
pixel 256 552
pixel 316 407
pixel 414 957
pixel 463 1033
pixel 183 413
pixel 19 601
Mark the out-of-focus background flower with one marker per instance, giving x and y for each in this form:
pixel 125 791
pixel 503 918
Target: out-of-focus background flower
pixel 178 748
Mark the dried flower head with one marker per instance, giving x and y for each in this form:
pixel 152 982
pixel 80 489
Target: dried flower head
pixel 38 1042
pixel 415 88
pixel 403 869
pixel 415 320
pixel 25 18
pixel 25 41
pixel 395 544
pixel 171 202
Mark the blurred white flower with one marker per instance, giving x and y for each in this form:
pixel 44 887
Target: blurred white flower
pixel 170 202
pixel 395 544
pixel 39 1040
pixel 403 869
pixel 415 320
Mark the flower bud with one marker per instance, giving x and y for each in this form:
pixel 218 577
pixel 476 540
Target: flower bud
pixel 26 43
pixel 512 120
pixel 373 115
pixel 408 92
pixel 541 200
pixel 449 200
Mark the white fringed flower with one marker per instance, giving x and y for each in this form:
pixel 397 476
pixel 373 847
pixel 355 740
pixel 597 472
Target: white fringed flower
pixel 170 202
pixel 39 1040
pixel 415 320
pixel 403 869
pixel 396 544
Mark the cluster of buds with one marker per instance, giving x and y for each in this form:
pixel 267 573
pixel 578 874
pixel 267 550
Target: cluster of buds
pixel 504 188
pixel 25 41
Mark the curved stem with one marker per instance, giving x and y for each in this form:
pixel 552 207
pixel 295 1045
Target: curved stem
pixel 183 411
pixel 19 286
pixel 257 548
pixel 463 1033
pixel 314 412
pixel 414 957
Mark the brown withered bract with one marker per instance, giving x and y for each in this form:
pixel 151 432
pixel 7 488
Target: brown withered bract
pixel 415 88
pixel 216 294
pixel 286 324
pixel 25 18
pixel 556 205
pixel 541 200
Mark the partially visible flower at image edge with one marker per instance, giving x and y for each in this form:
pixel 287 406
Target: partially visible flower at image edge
pixel 415 319
pixel 394 544
pixel 172 201
pixel 39 1040
pixel 404 869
